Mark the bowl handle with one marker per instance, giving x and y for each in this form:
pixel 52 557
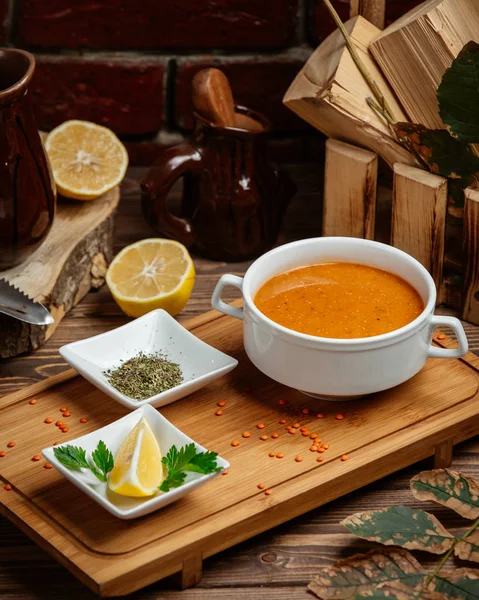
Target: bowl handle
pixel 216 301
pixel 458 329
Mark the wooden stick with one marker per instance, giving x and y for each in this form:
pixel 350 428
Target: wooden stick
pixel 350 187
pixel 419 217
pixel 372 10
pixel 471 250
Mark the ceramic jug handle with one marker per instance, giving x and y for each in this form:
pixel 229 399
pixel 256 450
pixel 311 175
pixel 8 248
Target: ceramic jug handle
pixel 456 326
pixel 219 304
pixel 170 166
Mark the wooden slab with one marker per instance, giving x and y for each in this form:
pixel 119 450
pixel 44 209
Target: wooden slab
pixel 72 260
pixel 381 434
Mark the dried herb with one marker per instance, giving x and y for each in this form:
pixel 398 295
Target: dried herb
pixel 395 574
pixel 144 376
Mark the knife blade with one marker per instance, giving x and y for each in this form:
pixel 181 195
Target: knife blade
pixel 16 304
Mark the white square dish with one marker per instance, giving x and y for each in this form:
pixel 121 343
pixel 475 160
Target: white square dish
pixel 113 435
pixel 155 332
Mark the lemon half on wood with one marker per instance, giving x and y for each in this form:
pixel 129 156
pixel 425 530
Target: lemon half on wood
pixel 87 159
pixel 153 273
pixel 138 469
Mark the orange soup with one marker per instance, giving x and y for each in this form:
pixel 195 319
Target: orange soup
pixel 339 300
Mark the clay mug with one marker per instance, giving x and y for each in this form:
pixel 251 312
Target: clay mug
pixel 233 198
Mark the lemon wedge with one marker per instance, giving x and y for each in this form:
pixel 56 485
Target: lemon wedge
pixel 138 470
pixel 87 159
pixel 152 273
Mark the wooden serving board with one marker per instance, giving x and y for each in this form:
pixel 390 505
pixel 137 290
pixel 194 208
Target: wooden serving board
pixel 380 434
pixel 72 260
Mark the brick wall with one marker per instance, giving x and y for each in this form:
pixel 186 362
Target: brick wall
pixel 128 64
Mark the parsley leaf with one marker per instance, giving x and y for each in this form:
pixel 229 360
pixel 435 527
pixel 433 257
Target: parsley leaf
pixel 72 457
pixel 185 459
pixel 103 459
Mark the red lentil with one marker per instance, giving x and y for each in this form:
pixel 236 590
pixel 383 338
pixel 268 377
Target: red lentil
pixel 11 444
pixel 261 486
pixel 32 401
pixel 65 429
pixel 320 416
pixel 56 443
pixel 235 443
pixel 59 424
pixel 279 455
pixel 305 411
pixel 261 426
pixel 344 457
pixel 48 465
pixel 67 413
pixel 321 450
pixel 271 454
pixel 282 421
pixel 313 449
pixel 221 403
pixel 246 434
pixel 320 458
pixel 225 472
pixel 263 437
pixel 83 420
pixel 282 402
pixel 304 428
pixel 218 413
pixel 313 436
pixel 441 336
pixel 339 417
pixel 63 409
pixel 275 435
pixel 7 487
pixel 48 420
pixel 292 430
pixel 325 446
pixel 297 425
pixel 36 457
pixel 299 459
pixel 305 434
pixel 3 453
pixel 267 492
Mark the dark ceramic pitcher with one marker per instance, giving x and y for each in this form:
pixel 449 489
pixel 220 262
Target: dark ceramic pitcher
pixel 233 198
pixel 27 191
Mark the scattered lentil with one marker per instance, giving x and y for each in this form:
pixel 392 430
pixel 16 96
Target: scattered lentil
pixel 59 424
pixel 299 459
pixel 7 487
pixel 32 401
pixel 320 416
pixel 83 420
pixel 321 450
pixel 222 403
pixel 225 472
pixel 67 413
pixel 441 336
pixel 305 434
pixel 339 417
pixel 48 465
pixel 261 486
pixel 275 435
pixel 320 458
pixel 263 437
pixel 305 411
pixel 65 429
pixel 344 457
pixel 36 457
pixel 246 434
pixel 271 454
pixel 304 428
pixel 218 413
pixel 56 443
pixel 11 444
pixel 292 430
pixel 267 492
pixel 48 420
pixel 282 421
pixel 325 446
pixel 282 402
pixel 63 408
pixel 313 436
pixel 279 455
pixel 261 426
pixel 3 453
pixel 235 443
pixel 313 448
pixel 297 425
pixel 145 375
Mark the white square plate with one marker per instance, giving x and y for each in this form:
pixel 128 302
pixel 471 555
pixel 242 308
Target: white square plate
pixel 155 332
pixel 113 436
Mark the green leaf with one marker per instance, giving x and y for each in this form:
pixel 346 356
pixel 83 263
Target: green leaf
pixel 458 94
pixel 173 480
pixel 364 572
pixel 401 526
pixel 204 462
pixel 186 459
pixel 103 459
pixel 448 488
pixel 461 584
pixel 445 155
pixel 398 591
pixel 72 457
pixel 468 549
pixel 176 460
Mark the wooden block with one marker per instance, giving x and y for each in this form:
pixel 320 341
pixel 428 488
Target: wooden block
pixel 415 51
pixel 330 93
pixel 350 187
pixel 471 249
pixel 72 260
pixel 373 11
pixel 192 572
pixel 443 454
pixel 419 217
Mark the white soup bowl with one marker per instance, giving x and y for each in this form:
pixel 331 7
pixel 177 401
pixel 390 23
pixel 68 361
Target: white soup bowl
pixel 330 367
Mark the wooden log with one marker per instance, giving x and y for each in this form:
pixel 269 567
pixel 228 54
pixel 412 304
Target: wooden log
pixel 350 186
pixel 415 51
pixel 72 260
pixel 471 249
pixel 330 93
pixel 373 11
pixel 419 217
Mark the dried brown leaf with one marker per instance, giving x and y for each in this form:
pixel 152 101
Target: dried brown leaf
pixel 469 548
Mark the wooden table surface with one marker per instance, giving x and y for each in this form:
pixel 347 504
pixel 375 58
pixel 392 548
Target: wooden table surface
pixel 275 565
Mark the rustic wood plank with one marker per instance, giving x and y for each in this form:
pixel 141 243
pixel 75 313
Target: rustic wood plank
pixel 372 10
pixel 471 248
pixel 350 188
pixel 419 217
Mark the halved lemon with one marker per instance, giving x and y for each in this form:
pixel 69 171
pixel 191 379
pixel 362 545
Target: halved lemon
pixel 152 273
pixel 138 469
pixel 87 159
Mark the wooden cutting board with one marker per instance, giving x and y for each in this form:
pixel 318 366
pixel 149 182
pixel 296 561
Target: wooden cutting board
pixel 71 261
pixel 380 434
